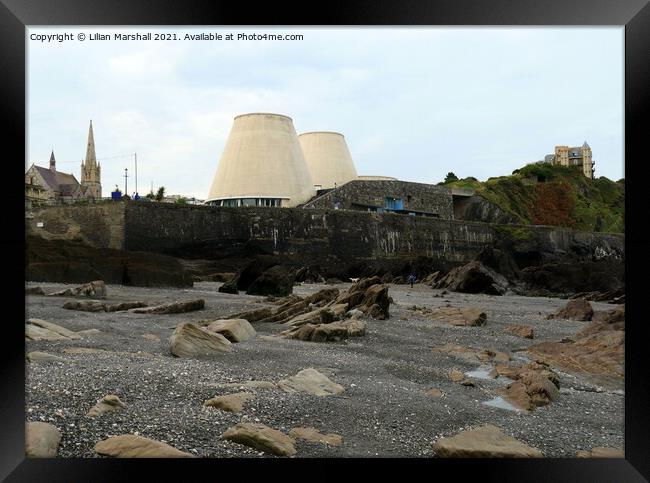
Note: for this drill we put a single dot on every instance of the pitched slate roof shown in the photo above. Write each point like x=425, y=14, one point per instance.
x=63, y=182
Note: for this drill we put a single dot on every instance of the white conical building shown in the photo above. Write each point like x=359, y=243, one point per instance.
x=328, y=158
x=262, y=165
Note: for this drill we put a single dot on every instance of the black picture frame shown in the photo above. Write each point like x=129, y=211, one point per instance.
x=634, y=15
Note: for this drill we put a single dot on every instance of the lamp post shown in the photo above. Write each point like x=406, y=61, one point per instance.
x=126, y=175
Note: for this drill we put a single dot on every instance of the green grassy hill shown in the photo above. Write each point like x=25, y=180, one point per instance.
x=543, y=194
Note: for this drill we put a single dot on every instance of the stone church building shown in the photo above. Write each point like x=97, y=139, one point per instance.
x=49, y=186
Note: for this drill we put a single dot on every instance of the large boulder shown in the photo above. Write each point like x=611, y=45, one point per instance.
x=474, y=277
x=485, y=442
x=134, y=446
x=577, y=309
x=311, y=381
x=251, y=271
x=525, y=331
x=235, y=330
x=277, y=281
x=41, y=440
x=190, y=340
x=262, y=438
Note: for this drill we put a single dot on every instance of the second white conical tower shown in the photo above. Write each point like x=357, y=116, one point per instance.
x=328, y=158
x=262, y=164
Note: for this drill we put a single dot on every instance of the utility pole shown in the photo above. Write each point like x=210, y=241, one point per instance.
x=136, y=173
x=126, y=175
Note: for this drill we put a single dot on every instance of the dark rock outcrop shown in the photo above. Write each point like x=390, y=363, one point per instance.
x=560, y=278
x=277, y=281
x=230, y=286
x=474, y=277
x=308, y=275
x=75, y=262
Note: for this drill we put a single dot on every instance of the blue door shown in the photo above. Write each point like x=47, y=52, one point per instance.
x=394, y=203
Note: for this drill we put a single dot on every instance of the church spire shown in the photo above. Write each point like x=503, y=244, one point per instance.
x=91, y=160
x=52, y=161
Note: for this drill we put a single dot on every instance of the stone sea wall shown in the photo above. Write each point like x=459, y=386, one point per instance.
x=331, y=239
x=311, y=236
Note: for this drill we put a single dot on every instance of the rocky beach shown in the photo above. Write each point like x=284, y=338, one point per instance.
x=402, y=384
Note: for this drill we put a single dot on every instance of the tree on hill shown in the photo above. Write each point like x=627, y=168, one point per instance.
x=450, y=177
x=160, y=194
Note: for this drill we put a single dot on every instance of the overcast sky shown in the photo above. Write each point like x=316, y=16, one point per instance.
x=413, y=103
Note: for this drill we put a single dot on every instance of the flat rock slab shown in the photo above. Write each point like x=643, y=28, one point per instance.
x=311, y=381
x=467, y=317
x=41, y=440
x=434, y=392
x=152, y=337
x=133, y=446
x=312, y=435
x=89, y=332
x=190, y=340
x=110, y=403
x=251, y=384
x=261, y=437
x=235, y=330
x=232, y=403
x=96, y=288
x=125, y=306
x=39, y=329
x=600, y=452
x=601, y=354
x=83, y=350
x=36, y=356
x=485, y=442
x=525, y=331
x=97, y=306
x=472, y=355
x=172, y=307
x=85, y=305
